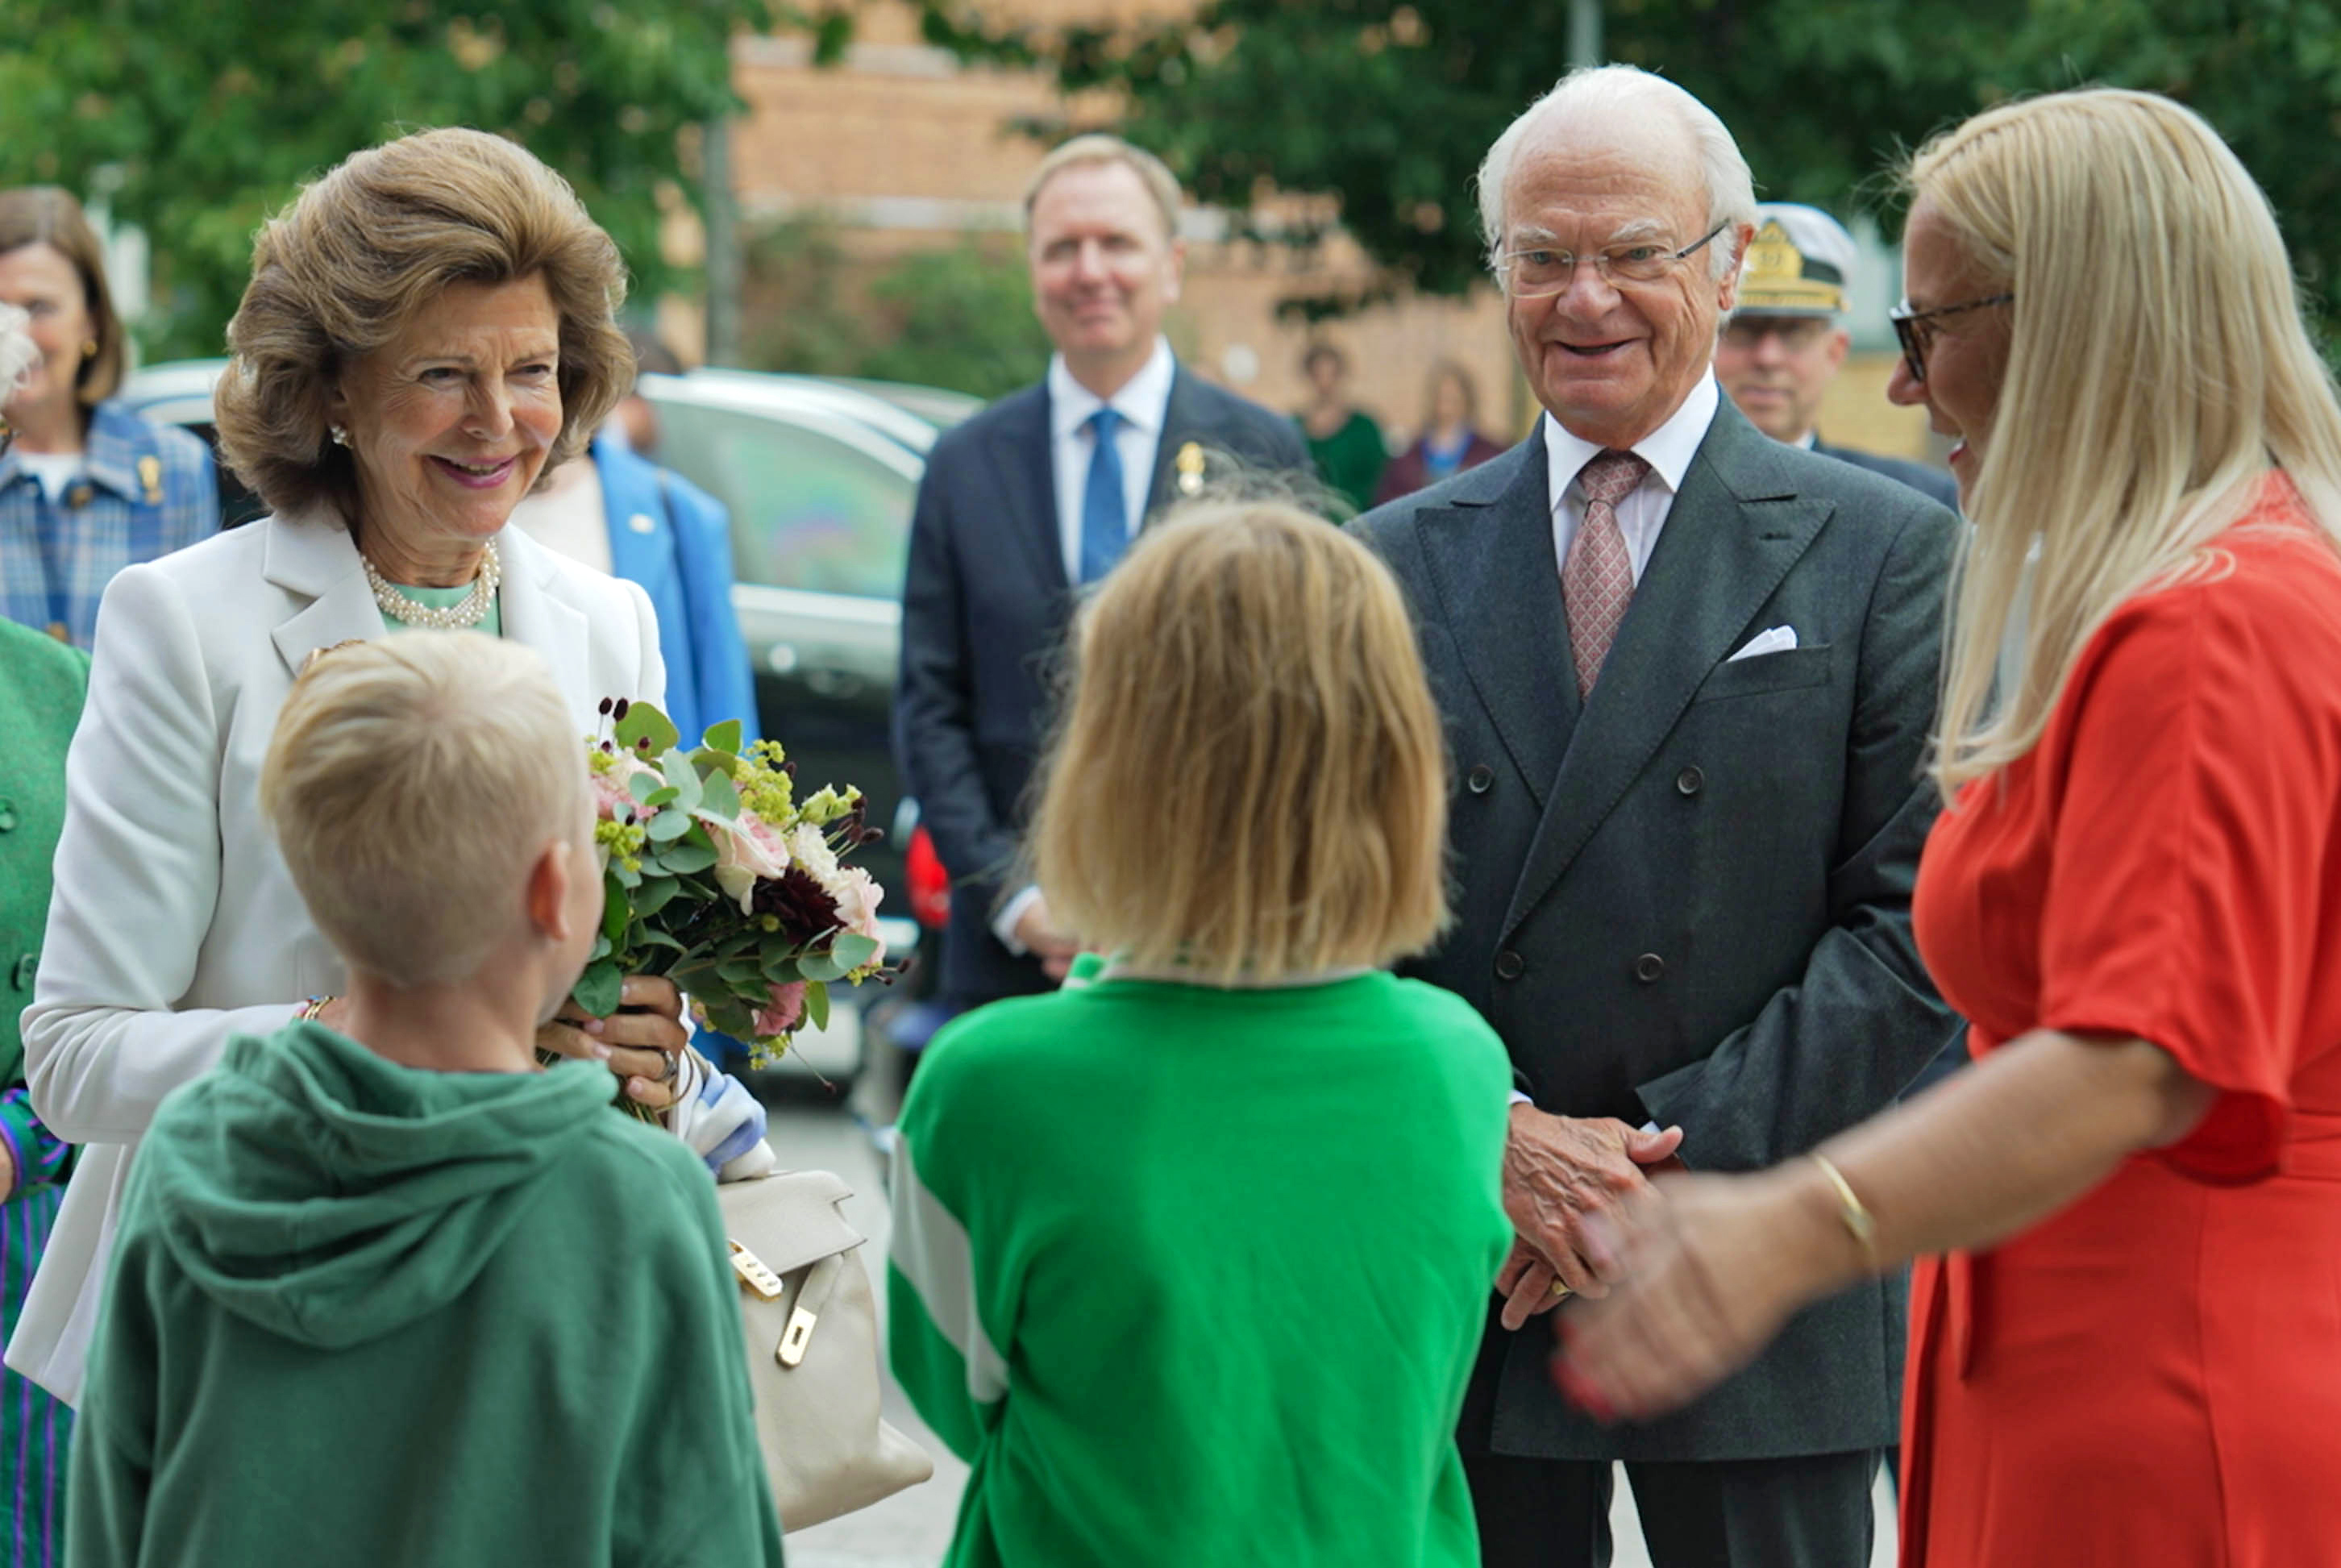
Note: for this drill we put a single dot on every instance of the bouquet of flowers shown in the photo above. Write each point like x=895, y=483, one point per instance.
x=719, y=878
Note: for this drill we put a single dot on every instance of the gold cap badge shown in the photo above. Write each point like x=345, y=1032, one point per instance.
x=1190, y=464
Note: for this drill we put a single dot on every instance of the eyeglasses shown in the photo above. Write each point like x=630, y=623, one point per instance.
x=1795, y=333
x=1537, y=272
x=1912, y=331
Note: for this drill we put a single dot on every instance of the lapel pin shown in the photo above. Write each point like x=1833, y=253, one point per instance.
x=641, y=523
x=80, y=496
x=1189, y=462
x=150, y=475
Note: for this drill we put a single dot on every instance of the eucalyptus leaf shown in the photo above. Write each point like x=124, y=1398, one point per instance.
x=669, y=825
x=600, y=947
x=816, y=1005
x=683, y=779
x=724, y=738
x=780, y=968
x=682, y=857
x=740, y=973
x=664, y=795
x=613, y=918
x=719, y=797
x=641, y=785
x=853, y=950
x=599, y=988
x=644, y=722
x=628, y=877
x=820, y=967
x=647, y=937
x=656, y=894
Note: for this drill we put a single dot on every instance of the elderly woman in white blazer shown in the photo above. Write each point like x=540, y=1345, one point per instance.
x=428, y=328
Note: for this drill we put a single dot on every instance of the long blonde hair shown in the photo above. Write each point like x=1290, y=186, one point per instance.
x=2159, y=365
x=1251, y=780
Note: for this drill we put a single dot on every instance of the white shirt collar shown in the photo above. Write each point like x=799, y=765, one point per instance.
x=1668, y=450
x=1141, y=401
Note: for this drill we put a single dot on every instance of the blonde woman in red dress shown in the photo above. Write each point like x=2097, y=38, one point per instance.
x=2126, y=1335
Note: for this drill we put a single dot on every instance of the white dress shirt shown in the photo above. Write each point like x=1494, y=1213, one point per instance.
x=1143, y=403
x=1641, y=515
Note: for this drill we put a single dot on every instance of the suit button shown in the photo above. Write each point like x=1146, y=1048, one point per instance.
x=1688, y=781
x=641, y=523
x=1510, y=965
x=1481, y=779
x=25, y=966
x=1649, y=967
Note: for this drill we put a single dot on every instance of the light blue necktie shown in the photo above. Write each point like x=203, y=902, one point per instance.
x=1105, y=512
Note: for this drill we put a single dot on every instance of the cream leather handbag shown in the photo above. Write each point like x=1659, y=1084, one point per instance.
x=812, y=1349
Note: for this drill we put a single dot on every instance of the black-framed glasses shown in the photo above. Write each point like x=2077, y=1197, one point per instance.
x=1536, y=272
x=1913, y=331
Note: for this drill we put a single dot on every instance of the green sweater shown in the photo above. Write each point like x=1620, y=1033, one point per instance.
x=362, y=1313
x=1196, y=1277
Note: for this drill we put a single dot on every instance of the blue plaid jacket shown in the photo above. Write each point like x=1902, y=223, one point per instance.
x=145, y=491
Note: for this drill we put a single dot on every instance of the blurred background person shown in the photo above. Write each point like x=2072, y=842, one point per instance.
x=621, y=512
x=1786, y=340
x=1188, y=1261
x=90, y=487
x=2129, y=1350
x=1450, y=441
x=1026, y=503
x=427, y=326
x=277, y=1382
x=41, y=684
x=1344, y=442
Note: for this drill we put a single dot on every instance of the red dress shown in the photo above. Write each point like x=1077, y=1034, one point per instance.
x=2153, y=1376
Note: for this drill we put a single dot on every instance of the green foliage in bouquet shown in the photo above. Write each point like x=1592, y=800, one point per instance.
x=719, y=878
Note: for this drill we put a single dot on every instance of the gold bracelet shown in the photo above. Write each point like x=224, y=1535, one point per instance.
x=1849, y=1208
x=313, y=1009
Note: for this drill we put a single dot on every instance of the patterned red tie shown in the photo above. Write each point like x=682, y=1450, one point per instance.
x=1597, y=581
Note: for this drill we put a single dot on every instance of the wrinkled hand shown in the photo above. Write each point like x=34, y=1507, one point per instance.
x=1558, y=1171
x=634, y=1041
x=1054, y=949
x=1710, y=1268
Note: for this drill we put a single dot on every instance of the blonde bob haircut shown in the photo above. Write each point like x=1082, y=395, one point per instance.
x=1249, y=779
x=413, y=782
x=365, y=248
x=2158, y=368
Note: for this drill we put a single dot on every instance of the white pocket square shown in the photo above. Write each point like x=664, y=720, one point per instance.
x=1779, y=640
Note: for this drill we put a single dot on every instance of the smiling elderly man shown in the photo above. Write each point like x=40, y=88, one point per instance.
x=1688, y=674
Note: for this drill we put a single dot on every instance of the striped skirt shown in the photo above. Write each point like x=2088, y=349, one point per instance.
x=34, y=1428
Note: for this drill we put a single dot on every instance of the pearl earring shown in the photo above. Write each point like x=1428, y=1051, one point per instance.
x=341, y=437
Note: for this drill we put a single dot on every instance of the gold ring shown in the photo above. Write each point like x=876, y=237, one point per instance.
x=1559, y=1290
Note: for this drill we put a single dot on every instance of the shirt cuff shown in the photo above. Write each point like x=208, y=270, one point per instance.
x=1003, y=925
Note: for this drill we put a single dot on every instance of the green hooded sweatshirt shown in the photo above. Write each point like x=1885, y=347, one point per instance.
x=363, y=1314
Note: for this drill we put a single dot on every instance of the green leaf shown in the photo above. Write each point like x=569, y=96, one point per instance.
x=600, y=948
x=816, y=1005
x=664, y=795
x=655, y=894
x=599, y=988
x=724, y=738
x=670, y=824
x=853, y=950
x=729, y=1013
x=644, y=722
x=742, y=972
x=628, y=878
x=645, y=936
x=683, y=779
x=613, y=917
x=780, y=966
x=641, y=786
x=681, y=857
x=718, y=798
x=820, y=967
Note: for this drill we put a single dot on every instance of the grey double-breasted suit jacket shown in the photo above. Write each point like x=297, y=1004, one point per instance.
x=1688, y=899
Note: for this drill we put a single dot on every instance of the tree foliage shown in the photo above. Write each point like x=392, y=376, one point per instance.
x=960, y=317
x=195, y=122
x=1389, y=107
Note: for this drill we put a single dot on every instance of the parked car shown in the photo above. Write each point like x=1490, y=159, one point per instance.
x=820, y=476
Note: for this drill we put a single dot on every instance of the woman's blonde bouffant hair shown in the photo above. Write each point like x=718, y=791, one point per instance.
x=361, y=249
x=2159, y=365
x=1249, y=780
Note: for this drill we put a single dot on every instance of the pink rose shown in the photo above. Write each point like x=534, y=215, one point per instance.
x=784, y=1008
x=857, y=905
x=745, y=854
x=611, y=797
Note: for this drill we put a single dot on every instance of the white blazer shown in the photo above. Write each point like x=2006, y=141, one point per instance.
x=174, y=923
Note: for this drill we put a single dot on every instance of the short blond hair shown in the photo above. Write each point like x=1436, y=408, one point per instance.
x=365, y=248
x=412, y=783
x=1250, y=781
x=1097, y=147
x=2143, y=398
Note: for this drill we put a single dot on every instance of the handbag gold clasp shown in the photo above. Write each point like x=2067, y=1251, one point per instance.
x=799, y=1335
x=754, y=1275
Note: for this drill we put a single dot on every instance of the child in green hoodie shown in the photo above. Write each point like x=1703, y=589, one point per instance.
x=397, y=1295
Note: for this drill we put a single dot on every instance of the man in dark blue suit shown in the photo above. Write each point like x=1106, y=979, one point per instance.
x=1786, y=339
x=1024, y=505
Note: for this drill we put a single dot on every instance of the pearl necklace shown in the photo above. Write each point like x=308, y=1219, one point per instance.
x=413, y=612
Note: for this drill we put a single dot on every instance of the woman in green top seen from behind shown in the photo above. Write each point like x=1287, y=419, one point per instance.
x=1191, y=1264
